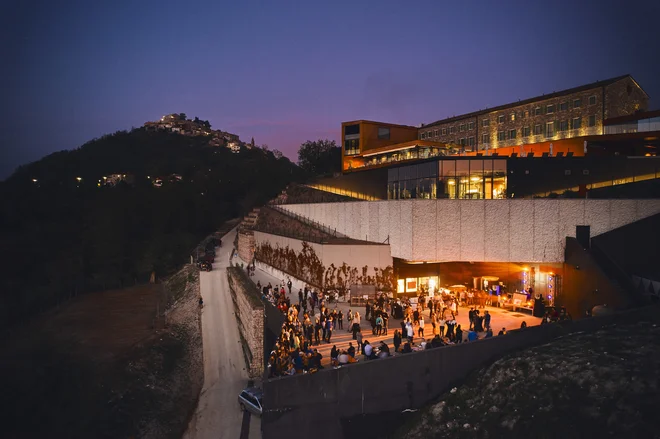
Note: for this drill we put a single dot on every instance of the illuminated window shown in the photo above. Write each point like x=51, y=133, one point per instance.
x=485, y=138
x=549, y=129
x=576, y=123
x=537, y=111
x=592, y=120
x=485, y=122
x=577, y=103
x=471, y=126
x=563, y=106
x=538, y=130
x=513, y=117
x=550, y=109
x=501, y=136
x=525, y=131
x=500, y=118
x=592, y=100
x=525, y=114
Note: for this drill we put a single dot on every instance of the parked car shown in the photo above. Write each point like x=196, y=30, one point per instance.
x=205, y=266
x=251, y=399
x=207, y=258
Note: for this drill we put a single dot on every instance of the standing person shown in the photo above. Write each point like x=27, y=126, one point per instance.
x=379, y=325
x=300, y=295
x=340, y=320
x=290, y=284
x=487, y=319
x=386, y=319
x=454, y=308
x=367, y=310
x=311, y=304
x=329, y=325
x=358, y=338
x=420, y=331
x=350, y=320
x=410, y=331
x=356, y=325
x=317, y=331
x=397, y=340
x=459, y=334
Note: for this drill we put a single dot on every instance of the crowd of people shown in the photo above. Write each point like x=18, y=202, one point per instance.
x=310, y=323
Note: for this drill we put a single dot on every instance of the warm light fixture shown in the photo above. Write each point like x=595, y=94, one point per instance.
x=34, y=180
x=79, y=178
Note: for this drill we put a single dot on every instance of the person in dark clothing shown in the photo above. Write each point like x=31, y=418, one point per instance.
x=300, y=294
x=459, y=334
x=340, y=320
x=367, y=311
x=328, y=323
x=407, y=348
x=351, y=350
x=397, y=340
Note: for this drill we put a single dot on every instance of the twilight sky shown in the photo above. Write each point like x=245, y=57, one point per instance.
x=287, y=71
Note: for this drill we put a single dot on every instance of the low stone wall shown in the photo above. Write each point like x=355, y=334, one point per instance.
x=250, y=317
x=298, y=405
x=246, y=245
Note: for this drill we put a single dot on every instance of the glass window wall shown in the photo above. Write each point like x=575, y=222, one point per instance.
x=454, y=179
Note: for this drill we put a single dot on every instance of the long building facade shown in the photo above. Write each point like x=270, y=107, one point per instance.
x=575, y=112
x=597, y=115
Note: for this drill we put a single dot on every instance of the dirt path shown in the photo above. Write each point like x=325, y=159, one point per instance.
x=218, y=414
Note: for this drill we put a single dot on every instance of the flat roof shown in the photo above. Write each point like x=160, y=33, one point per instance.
x=404, y=145
x=379, y=123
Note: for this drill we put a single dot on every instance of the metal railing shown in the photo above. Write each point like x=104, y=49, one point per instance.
x=309, y=222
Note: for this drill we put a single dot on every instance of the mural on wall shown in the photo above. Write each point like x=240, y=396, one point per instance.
x=307, y=266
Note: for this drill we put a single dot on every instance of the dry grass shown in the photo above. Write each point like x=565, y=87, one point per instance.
x=603, y=384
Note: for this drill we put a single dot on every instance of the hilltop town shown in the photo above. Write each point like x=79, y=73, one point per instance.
x=179, y=123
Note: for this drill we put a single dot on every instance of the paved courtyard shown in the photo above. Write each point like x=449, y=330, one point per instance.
x=500, y=318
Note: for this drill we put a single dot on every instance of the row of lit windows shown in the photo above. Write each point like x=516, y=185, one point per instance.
x=537, y=111
x=549, y=129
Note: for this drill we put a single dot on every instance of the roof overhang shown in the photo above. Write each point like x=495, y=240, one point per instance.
x=405, y=145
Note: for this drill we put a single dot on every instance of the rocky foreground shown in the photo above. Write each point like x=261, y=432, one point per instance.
x=603, y=384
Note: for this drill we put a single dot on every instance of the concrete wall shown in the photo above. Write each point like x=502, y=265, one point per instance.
x=356, y=255
x=250, y=318
x=298, y=405
x=509, y=230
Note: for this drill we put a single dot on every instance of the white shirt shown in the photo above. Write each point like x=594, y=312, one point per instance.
x=368, y=350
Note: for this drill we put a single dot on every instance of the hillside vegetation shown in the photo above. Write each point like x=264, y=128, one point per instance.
x=63, y=232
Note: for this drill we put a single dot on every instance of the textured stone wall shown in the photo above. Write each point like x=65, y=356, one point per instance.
x=623, y=98
x=510, y=230
x=618, y=103
x=250, y=318
x=246, y=245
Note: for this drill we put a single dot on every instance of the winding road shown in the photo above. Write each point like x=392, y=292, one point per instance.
x=218, y=414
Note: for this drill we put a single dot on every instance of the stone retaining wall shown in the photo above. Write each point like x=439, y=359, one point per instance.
x=250, y=317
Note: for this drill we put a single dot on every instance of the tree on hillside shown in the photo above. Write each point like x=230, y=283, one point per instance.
x=182, y=116
x=278, y=154
x=320, y=157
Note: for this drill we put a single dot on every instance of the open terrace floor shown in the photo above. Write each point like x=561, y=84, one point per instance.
x=500, y=318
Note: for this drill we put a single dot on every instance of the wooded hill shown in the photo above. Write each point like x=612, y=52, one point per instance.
x=64, y=231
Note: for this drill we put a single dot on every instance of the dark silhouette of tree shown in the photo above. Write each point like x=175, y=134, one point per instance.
x=182, y=116
x=319, y=157
x=63, y=236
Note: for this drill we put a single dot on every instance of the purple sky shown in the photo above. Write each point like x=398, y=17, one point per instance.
x=285, y=72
